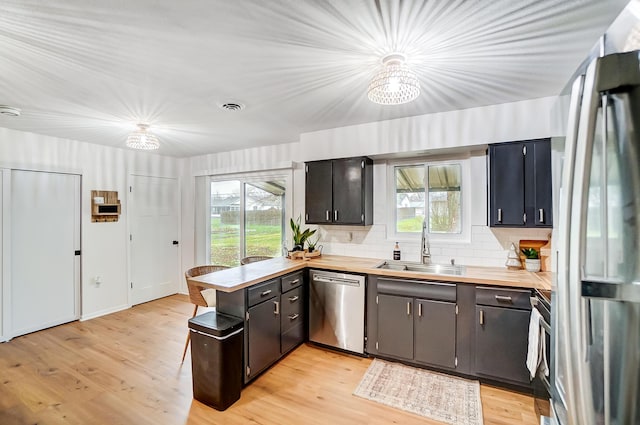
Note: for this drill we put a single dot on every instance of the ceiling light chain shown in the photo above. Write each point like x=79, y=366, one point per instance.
x=395, y=83
x=143, y=139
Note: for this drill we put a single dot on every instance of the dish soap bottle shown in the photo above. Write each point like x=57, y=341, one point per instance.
x=396, y=252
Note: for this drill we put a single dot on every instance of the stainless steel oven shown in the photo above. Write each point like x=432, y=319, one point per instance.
x=541, y=301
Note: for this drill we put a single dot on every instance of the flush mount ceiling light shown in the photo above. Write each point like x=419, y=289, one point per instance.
x=9, y=111
x=143, y=139
x=395, y=83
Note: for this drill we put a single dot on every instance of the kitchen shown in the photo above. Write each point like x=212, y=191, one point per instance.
x=457, y=132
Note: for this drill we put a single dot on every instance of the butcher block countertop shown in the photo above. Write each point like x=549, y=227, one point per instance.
x=235, y=278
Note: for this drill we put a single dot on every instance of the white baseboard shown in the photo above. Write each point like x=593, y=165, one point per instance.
x=103, y=312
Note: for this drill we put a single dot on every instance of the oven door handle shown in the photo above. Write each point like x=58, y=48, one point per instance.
x=546, y=326
x=545, y=381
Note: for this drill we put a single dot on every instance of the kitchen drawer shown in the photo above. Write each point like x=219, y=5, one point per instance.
x=291, y=338
x=504, y=297
x=292, y=308
x=416, y=288
x=262, y=292
x=292, y=281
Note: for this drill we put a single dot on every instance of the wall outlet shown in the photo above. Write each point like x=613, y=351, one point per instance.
x=97, y=280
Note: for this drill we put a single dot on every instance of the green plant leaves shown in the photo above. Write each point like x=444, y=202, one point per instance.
x=299, y=237
x=530, y=253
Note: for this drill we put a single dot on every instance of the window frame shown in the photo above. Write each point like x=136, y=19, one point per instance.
x=464, y=161
x=248, y=178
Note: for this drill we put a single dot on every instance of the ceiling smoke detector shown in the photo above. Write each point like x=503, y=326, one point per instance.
x=231, y=106
x=9, y=111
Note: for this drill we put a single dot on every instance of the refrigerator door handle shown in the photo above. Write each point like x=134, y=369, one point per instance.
x=575, y=345
x=588, y=331
x=611, y=290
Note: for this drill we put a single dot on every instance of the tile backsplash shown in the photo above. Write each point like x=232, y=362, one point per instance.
x=488, y=246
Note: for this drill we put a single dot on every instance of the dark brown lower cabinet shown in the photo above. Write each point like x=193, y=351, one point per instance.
x=501, y=343
x=292, y=318
x=474, y=330
x=274, y=319
x=416, y=329
x=395, y=326
x=263, y=336
x=435, y=333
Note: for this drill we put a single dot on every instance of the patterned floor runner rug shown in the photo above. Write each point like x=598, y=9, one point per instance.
x=437, y=396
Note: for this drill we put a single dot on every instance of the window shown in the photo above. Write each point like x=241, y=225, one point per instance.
x=247, y=218
x=429, y=192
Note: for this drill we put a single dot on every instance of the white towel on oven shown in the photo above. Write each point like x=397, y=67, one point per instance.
x=534, y=353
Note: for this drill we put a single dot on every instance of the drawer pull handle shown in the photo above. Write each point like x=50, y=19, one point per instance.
x=541, y=215
x=504, y=299
x=293, y=282
x=420, y=310
x=335, y=215
x=481, y=317
x=293, y=299
x=326, y=215
x=276, y=308
x=409, y=309
x=499, y=215
x=265, y=293
x=294, y=316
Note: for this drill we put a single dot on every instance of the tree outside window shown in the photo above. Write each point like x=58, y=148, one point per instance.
x=443, y=186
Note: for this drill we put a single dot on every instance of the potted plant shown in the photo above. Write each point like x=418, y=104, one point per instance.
x=299, y=236
x=311, y=244
x=532, y=259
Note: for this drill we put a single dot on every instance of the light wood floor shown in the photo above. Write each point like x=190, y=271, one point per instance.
x=125, y=369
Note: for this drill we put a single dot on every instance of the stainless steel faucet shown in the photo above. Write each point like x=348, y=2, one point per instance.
x=425, y=249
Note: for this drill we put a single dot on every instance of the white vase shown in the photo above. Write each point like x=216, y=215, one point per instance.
x=532, y=265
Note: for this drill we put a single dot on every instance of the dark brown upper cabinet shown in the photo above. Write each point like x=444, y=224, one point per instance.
x=339, y=191
x=520, y=184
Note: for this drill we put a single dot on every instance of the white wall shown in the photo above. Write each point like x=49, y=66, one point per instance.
x=423, y=135
x=104, y=245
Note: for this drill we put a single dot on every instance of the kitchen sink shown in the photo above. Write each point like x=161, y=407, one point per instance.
x=423, y=268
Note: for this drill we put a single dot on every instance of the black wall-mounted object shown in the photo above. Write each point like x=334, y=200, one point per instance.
x=339, y=191
x=520, y=192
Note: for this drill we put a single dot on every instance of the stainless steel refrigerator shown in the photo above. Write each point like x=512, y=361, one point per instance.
x=596, y=298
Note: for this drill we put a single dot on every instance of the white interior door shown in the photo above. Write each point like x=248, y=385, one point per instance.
x=45, y=238
x=154, y=250
x=3, y=270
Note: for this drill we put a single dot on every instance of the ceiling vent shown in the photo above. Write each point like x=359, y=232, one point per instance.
x=9, y=111
x=232, y=106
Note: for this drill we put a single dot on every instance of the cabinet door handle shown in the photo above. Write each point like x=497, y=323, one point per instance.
x=409, y=308
x=504, y=299
x=293, y=299
x=419, y=309
x=499, y=215
x=293, y=282
x=276, y=308
x=293, y=316
x=265, y=293
x=326, y=214
x=335, y=215
x=481, y=317
x=541, y=215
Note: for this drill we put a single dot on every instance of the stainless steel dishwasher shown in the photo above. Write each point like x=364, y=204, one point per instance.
x=336, y=310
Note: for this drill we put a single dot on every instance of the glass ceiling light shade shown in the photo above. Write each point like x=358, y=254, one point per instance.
x=395, y=83
x=143, y=139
